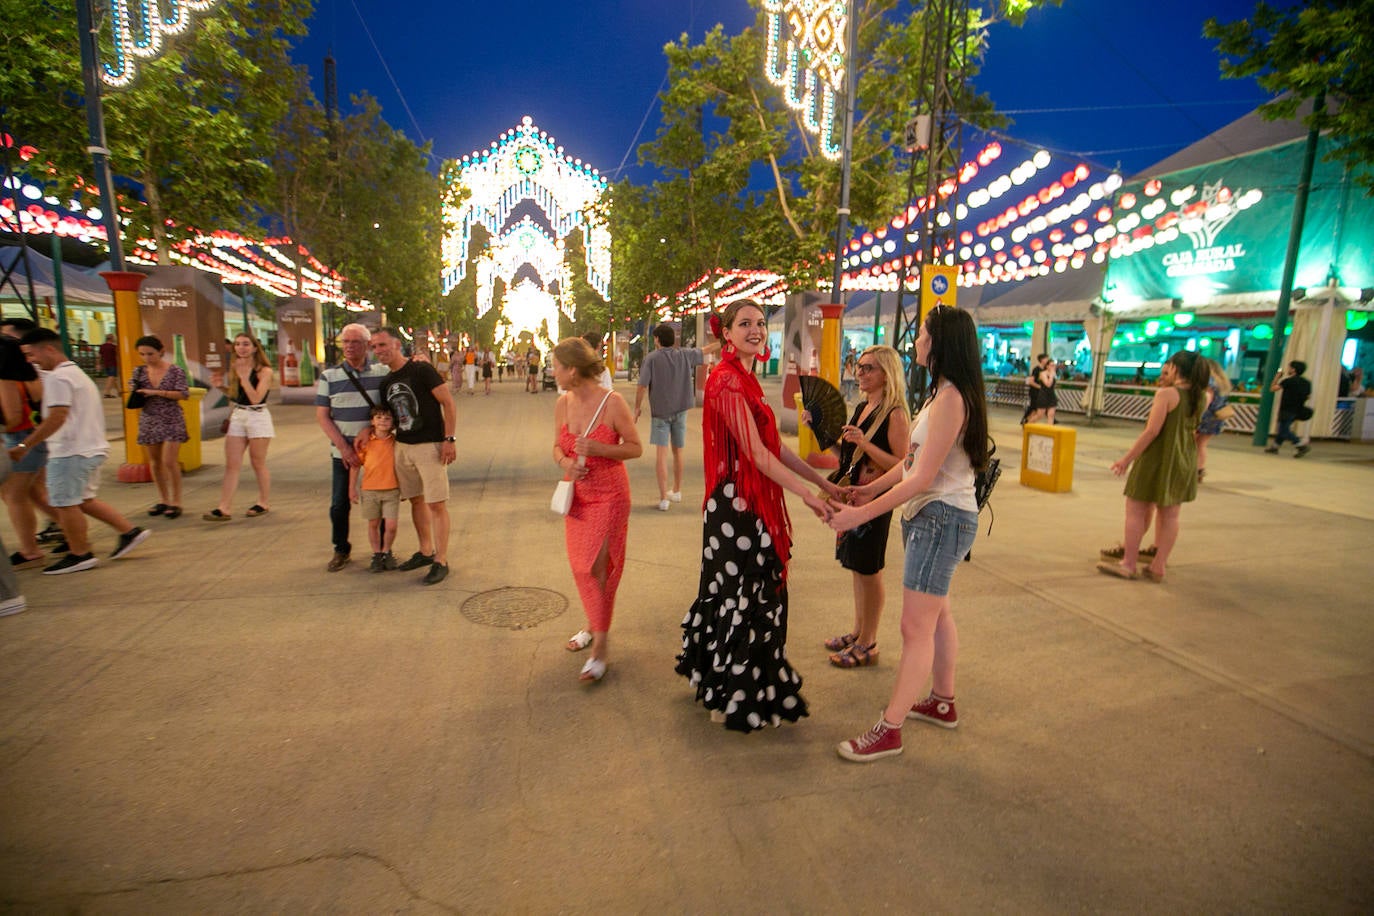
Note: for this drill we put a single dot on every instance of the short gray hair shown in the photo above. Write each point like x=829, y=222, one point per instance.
x=367, y=335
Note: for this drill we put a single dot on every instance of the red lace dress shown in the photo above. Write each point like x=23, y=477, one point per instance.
x=734, y=635
x=600, y=516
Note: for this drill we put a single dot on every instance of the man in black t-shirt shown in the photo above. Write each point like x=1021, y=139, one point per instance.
x=1295, y=390
x=425, y=421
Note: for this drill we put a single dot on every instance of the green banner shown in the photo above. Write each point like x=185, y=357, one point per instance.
x=1222, y=229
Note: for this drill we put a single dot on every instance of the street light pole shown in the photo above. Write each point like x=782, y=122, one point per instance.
x=851, y=80
x=95, y=130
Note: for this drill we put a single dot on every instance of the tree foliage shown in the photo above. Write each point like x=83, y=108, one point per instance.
x=745, y=185
x=1301, y=53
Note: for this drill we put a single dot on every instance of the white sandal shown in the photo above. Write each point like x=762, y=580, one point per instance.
x=594, y=670
x=580, y=640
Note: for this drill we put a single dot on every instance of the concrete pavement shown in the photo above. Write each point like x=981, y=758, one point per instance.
x=216, y=724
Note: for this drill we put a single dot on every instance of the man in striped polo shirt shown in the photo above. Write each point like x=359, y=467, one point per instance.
x=342, y=411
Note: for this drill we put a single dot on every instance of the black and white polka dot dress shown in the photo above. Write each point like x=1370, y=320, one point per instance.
x=734, y=635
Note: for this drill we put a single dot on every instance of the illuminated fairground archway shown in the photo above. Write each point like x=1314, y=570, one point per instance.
x=530, y=197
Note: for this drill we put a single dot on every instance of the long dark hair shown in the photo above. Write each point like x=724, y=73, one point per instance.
x=955, y=358
x=1194, y=370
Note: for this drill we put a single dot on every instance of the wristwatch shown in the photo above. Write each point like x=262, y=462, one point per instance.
x=450, y=439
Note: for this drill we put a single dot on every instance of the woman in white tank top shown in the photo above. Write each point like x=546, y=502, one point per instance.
x=934, y=485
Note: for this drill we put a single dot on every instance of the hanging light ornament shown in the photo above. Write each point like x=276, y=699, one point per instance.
x=137, y=30
x=805, y=58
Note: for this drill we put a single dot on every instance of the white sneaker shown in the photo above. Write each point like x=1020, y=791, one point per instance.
x=663, y=505
x=675, y=496
x=12, y=605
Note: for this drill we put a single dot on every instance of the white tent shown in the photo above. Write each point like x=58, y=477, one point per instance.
x=78, y=286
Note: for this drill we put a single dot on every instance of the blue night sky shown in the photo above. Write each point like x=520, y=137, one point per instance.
x=1121, y=83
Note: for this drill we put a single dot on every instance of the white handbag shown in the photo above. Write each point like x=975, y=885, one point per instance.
x=563, y=493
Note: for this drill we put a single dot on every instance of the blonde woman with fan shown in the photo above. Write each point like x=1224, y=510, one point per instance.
x=872, y=442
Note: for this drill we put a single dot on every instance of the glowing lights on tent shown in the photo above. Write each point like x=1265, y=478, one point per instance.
x=805, y=58
x=525, y=169
x=1158, y=218
x=137, y=32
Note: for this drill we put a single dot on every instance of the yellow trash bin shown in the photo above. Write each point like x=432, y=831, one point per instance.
x=1047, y=456
x=190, y=449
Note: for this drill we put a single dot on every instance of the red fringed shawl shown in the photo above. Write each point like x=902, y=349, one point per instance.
x=734, y=415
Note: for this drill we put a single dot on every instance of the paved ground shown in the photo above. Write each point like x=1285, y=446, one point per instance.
x=215, y=724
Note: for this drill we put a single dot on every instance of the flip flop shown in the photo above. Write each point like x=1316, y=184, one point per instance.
x=594, y=670
x=214, y=515
x=172, y=512
x=1115, y=569
x=580, y=640
x=255, y=510
x=1150, y=575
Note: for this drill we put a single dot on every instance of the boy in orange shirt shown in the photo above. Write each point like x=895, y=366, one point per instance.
x=376, y=489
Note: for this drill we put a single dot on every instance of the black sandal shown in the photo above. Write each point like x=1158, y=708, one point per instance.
x=159, y=509
x=255, y=510
x=172, y=512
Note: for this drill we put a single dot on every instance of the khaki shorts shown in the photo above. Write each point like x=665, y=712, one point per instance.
x=380, y=504
x=419, y=470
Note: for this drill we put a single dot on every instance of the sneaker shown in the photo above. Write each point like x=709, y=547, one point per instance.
x=935, y=711
x=338, y=562
x=72, y=563
x=663, y=505
x=389, y=561
x=12, y=605
x=51, y=533
x=378, y=563
x=1271, y=450
x=129, y=540
x=882, y=740
x=438, y=572
x=674, y=496
x=61, y=546
x=417, y=561
x=19, y=561
x=1302, y=450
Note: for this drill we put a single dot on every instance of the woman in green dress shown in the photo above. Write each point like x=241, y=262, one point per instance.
x=1163, y=466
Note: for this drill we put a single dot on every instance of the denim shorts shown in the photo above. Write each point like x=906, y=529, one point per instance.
x=34, y=458
x=666, y=430
x=74, y=479
x=936, y=540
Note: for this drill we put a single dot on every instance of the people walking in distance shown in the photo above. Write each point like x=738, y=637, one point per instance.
x=161, y=422
x=1210, y=425
x=73, y=425
x=375, y=487
x=426, y=419
x=1163, y=468
x=934, y=483
x=250, y=427
x=25, y=490
x=1033, y=410
x=109, y=367
x=668, y=377
x=488, y=365
x=594, y=435
x=1294, y=390
x=734, y=639
x=532, y=370
x=871, y=444
x=344, y=397
x=470, y=370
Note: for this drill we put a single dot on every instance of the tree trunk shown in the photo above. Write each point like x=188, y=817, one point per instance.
x=777, y=174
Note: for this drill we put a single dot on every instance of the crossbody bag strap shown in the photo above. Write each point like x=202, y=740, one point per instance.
x=582, y=459
x=359, y=385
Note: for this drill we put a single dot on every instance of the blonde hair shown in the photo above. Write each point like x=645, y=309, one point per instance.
x=578, y=355
x=1218, y=376
x=260, y=361
x=894, y=378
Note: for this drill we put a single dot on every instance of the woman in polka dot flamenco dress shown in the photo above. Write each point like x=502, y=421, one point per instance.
x=734, y=636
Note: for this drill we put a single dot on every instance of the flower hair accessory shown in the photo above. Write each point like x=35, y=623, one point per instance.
x=716, y=329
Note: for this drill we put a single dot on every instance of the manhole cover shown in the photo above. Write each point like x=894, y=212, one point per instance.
x=514, y=608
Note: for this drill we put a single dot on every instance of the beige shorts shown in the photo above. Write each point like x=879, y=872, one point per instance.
x=380, y=504
x=250, y=422
x=419, y=470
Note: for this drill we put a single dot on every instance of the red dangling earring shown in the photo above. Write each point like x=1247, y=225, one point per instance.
x=766, y=353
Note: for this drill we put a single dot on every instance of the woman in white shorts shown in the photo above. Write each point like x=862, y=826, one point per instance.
x=250, y=427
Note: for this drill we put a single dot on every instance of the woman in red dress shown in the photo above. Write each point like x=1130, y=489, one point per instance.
x=594, y=434
x=735, y=634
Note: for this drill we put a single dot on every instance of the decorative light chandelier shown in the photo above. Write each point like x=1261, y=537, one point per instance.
x=137, y=28
x=805, y=58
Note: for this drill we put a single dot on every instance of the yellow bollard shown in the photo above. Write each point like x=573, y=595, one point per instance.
x=1047, y=456
x=806, y=439
x=190, y=455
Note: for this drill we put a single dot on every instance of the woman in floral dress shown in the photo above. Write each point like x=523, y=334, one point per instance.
x=161, y=423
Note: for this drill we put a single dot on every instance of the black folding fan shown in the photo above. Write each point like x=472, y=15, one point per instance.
x=827, y=408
